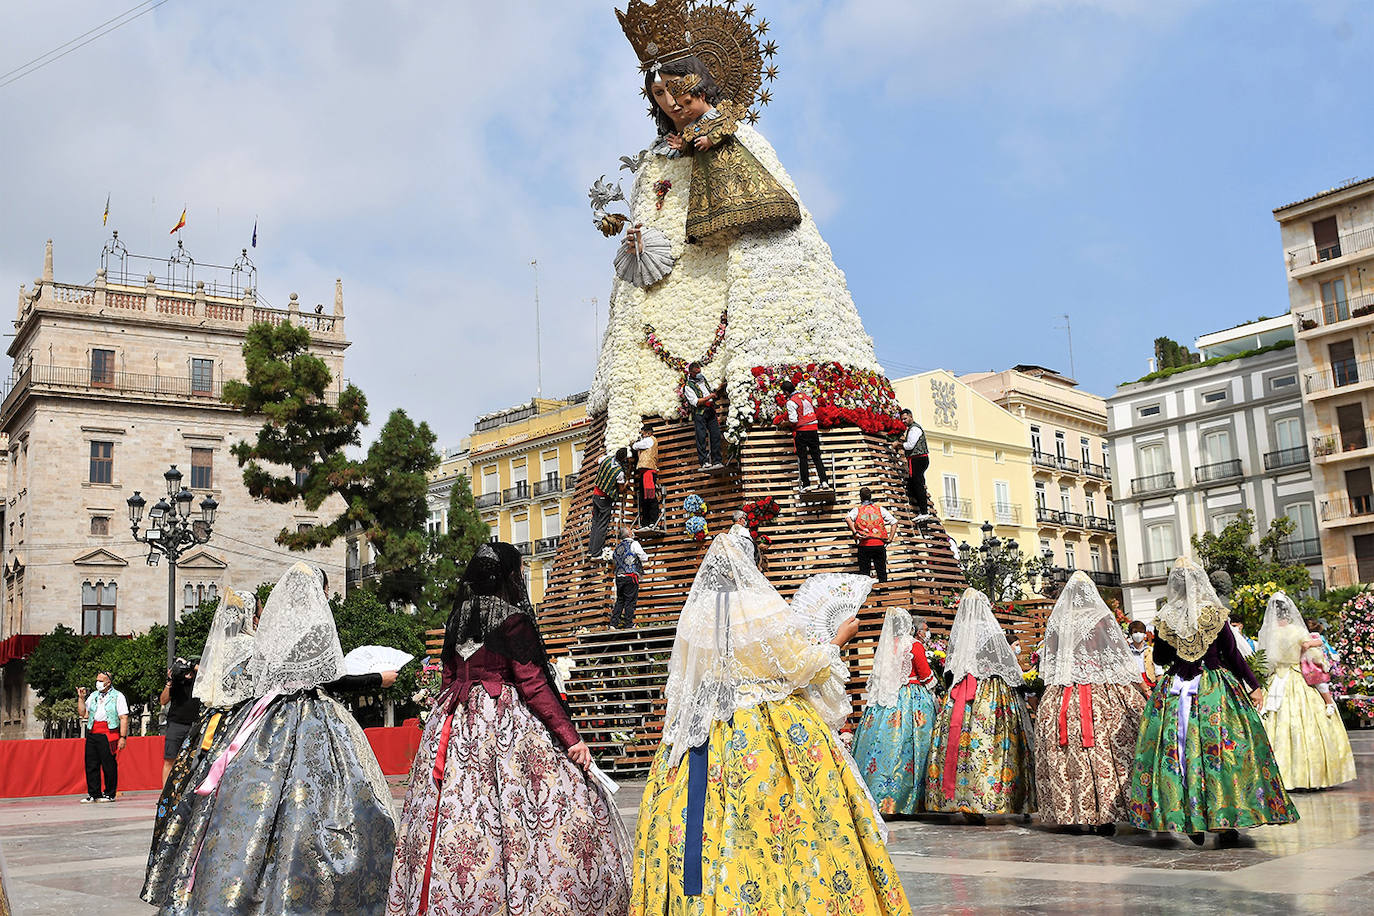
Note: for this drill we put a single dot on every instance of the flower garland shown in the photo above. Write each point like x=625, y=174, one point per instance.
x=677, y=363
x=1353, y=643
x=843, y=397
x=661, y=189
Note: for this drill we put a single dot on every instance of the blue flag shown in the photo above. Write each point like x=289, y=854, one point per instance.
x=255, y=233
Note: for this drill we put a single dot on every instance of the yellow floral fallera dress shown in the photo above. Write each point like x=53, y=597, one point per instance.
x=1311, y=748
x=788, y=829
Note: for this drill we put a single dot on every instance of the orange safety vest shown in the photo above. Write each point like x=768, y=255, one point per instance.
x=869, y=524
x=806, y=413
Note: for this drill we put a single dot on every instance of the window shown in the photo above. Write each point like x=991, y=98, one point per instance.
x=1085, y=450
x=1334, y=305
x=1065, y=499
x=202, y=376
x=1159, y=541
x=1149, y=410
x=98, y=608
x=1095, y=558
x=303, y=527
x=1002, y=496
x=1046, y=550
x=1350, y=423
x=519, y=474
x=578, y=454
x=102, y=462
x=202, y=468
x=550, y=465
x=302, y=478
x=1090, y=504
x=1283, y=381
x=520, y=530
x=1214, y=397
x=1344, y=370
x=1068, y=556
x=1041, y=500
x=1288, y=433
x=553, y=523
x=1216, y=446
x=100, y=525
x=1222, y=519
x=1106, y=463
x=102, y=367
x=1035, y=439
x=951, y=484
x=489, y=484
x=947, y=449
x=999, y=457
x=194, y=594
x=1326, y=238
x=435, y=525
x=1304, y=520
x=1060, y=449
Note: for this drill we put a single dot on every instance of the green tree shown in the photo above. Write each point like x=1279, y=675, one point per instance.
x=49, y=668
x=1249, y=562
x=450, y=553
x=392, y=498
x=299, y=451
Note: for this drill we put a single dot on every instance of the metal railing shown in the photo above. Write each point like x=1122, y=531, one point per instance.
x=516, y=493
x=1049, y=516
x=358, y=574
x=548, y=544
x=957, y=508
x=1340, y=575
x=548, y=485
x=487, y=500
x=1064, y=463
x=1154, y=569
x=1329, y=313
x=105, y=381
x=1044, y=514
x=1099, y=523
x=1044, y=459
x=570, y=482
x=1006, y=513
x=1346, y=243
x=1285, y=458
x=1296, y=550
x=1218, y=470
x=1338, y=508
x=1104, y=578
x=1342, y=373
x=525, y=548
x=1153, y=483
x=1348, y=439
x=1100, y=471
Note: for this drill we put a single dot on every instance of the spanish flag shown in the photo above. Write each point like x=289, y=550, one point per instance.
x=181, y=222
x=104, y=219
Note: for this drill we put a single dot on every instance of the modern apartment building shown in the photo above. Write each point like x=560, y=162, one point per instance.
x=113, y=381
x=980, y=459
x=1067, y=429
x=1193, y=447
x=1328, y=246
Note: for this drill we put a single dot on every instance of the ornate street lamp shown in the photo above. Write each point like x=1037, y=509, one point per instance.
x=171, y=532
x=996, y=567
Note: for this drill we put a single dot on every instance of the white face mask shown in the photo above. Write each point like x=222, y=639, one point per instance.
x=1137, y=638
x=100, y=686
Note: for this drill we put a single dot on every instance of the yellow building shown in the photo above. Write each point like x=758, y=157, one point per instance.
x=522, y=466
x=980, y=459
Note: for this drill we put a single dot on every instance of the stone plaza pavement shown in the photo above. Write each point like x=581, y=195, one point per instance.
x=63, y=858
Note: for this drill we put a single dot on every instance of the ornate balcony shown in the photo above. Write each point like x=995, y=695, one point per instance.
x=548, y=544
x=1285, y=458
x=525, y=548
x=961, y=509
x=1100, y=471
x=1217, y=471
x=1006, y=513
x=1104, y=578
x=548, y=486
x=1044, y=460
x=1347, y=508
x=1153, y=483
x=487, y=500
x=1155, y=569
x=1098, y=523
x=518, y=493
x=570, y=482
x=1300, y=550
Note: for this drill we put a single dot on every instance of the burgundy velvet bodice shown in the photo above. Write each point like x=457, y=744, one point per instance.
x=1223, y=653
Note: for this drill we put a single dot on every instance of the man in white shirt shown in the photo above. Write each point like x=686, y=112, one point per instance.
x=701, y=403
x=107, y=730
x=645, y=449
x=917, y=455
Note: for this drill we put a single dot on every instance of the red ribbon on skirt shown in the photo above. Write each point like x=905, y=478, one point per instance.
x=962, y=695
x=1085, y=715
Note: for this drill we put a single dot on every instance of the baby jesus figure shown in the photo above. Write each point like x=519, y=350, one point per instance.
x=730, y=188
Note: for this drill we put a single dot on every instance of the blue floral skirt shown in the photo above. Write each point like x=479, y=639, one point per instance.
x=891, y=746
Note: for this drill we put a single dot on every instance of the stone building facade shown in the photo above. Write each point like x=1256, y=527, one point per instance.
x=112, y=382
x=1072, y=480
x=1328, y=247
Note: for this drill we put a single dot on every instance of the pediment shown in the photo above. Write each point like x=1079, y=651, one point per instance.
x=203, y=560
x=100, y=557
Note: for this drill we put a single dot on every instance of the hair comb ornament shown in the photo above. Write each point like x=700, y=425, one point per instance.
x=729, y=41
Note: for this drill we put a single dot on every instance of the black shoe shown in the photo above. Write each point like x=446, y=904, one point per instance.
x=977, y=820
x=1198, y=838
x=1228, y=837
x=1105, y=830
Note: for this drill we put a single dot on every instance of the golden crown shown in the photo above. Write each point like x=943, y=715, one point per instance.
x=726, y=39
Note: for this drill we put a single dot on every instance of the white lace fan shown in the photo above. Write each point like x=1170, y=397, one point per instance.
x=825, y=601
x=648, y=263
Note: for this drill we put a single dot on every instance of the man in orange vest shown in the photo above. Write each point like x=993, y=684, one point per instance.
x=872, y=526
x=806, y=433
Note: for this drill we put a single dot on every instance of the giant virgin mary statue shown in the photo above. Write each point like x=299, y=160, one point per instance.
x=728, y=268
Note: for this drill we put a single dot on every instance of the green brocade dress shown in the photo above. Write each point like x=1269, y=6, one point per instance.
x=730, y=188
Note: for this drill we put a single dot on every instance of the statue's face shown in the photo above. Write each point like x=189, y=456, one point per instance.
x=694, y=105
x=669, y=105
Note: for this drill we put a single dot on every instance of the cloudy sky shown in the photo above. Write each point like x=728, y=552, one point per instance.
x=979, y=168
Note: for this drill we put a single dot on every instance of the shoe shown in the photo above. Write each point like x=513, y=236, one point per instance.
x=105, y=798
x=88, y=799
x=1198, y=838
x=1228, y=837
x=1105, y=830
x=704, y=468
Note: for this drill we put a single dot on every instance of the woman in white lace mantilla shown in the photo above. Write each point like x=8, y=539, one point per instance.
x=1089, y=717
x=775, y=815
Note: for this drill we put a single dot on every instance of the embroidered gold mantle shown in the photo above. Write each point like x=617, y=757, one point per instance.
x=730, y=188
x=1210, y=620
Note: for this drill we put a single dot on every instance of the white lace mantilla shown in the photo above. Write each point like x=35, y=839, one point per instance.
x=977, y=645
x=1084, y=644
x=297, y=645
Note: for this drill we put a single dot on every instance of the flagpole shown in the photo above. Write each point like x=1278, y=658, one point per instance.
x=538, y=356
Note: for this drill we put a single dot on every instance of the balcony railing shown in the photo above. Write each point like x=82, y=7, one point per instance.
x=1098, y=523
x=1044, y=515
x=1340, y=575
x=1300, y=550
x=1219, y=470
x=356, y=574
x=1047, y=516
x=570, y=482
x=1329, y=313
x=957, y=508
x=1044, y=459
x=1338, y=508
x=1285, y=458
x=1343, y=440
x=487, y=500
x=1006, y=513
x=1104, y=578
x=516, y=493
x=525, y=548
x=547, y=545
x=548, y=485
x=1067, y=464
x=1343, y=372
x=1155, y=569
x=59, y=379
x=1346, y=243
x=1100, y=471
x=1153, y=483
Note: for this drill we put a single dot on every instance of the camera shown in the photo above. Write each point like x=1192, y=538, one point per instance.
x=184, y=669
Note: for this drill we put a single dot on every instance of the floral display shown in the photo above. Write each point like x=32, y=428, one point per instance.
x=428, y=682
x=679, y=365
x=661, y=189
x=1249, y=601
x=1353, y=643
x=695, y=508
x=759, y=512
x=843, y=397
x=936, y=651
x=787, y=301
